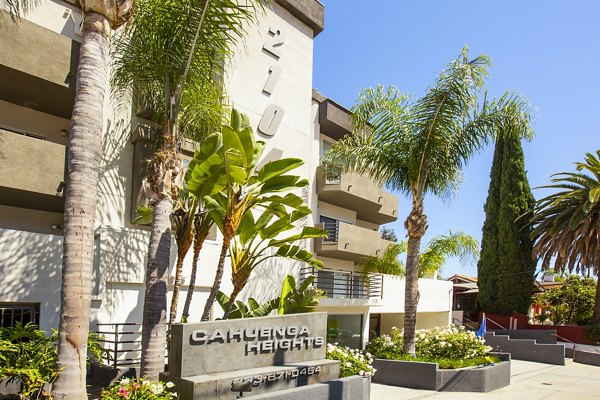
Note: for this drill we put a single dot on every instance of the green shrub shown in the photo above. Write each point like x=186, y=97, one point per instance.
x=449, y=346
x=28, y=357
x=592, y=333
x=132, y=389
x=353, y=362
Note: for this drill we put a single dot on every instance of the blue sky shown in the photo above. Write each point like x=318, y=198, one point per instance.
x=549, y=51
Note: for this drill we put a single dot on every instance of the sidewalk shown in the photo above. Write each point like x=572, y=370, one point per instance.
x=529, y=381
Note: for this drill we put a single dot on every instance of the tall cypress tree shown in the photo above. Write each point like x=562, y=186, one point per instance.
x=506, y=267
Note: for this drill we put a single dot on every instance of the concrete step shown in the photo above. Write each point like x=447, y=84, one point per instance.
x=527, y=349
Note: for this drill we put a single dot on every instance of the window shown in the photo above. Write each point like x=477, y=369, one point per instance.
x=331, y=226
x=11, y=313
x=345, y=330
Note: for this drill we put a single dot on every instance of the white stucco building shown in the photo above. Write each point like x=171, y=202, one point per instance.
x=270, y=79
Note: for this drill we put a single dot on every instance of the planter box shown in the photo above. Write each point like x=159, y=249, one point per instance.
x=423, y=375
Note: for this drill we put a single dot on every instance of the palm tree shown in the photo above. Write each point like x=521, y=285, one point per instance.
x=460, y=244
x=431, y=260
x=567, y=222
x=17, y=8
x=420, y=147
x=172, y=59
x=84, y=155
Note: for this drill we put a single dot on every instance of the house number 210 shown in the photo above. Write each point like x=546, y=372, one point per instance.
x=273, y=114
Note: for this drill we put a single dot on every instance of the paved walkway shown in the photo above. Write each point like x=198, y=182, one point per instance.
x=529, y=381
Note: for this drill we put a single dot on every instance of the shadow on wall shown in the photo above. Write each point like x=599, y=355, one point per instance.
x=30, y=268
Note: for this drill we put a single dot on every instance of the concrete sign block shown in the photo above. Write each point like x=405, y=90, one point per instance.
x=231, y=345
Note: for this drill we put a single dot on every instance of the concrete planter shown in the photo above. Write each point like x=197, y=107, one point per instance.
x=423, y=375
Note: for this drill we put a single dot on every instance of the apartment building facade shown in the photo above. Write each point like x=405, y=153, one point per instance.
x=269, y=79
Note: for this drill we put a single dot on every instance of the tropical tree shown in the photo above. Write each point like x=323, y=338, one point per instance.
x=259, y=240
x=419, y=147
x=567, y=223
x=431, y=259
x=506, y=268
x=231, y=187
x=172, y=59
x=84, y=152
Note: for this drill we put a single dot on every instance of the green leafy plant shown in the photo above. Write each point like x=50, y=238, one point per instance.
x=449, y=346
x=571, y=303
x=293, y=300
x=28, y=356
x=232, y=188
x=259, y=240
x=431, y=259
x=592, y=333
x=143, y=389
x=352, y=361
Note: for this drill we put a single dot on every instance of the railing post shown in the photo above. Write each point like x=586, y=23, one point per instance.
x=115, y=351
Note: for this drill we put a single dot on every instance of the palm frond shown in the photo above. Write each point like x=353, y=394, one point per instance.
x=567, y=222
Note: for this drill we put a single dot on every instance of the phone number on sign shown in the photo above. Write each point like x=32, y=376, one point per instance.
x=283, y=375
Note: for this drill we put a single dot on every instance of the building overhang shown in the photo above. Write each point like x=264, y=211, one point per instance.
x=310, y=12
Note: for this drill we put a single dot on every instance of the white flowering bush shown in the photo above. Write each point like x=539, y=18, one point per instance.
x=143, y=389
x=353, y=362
x=450, y=342
x=449, y=346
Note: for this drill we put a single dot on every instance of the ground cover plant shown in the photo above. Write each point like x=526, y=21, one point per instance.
x=451, y=347
x=142, y=389
x=28, y=357
x=353, y=362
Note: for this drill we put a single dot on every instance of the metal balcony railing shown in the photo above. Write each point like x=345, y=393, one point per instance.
x=332, y=229
x=346, y=284
x=123, y=341
x=333, y=176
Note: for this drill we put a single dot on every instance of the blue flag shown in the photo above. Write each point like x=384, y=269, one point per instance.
x=482, y=329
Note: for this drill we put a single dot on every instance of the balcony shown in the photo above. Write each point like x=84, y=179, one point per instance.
x=357, y=192
x=32, y=172
x=349, y=242
x=47, y=86
x=346, y=284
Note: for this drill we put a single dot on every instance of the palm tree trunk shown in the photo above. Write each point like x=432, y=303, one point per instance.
x=218, y=277
x=154, y=338
x=84, y=156
x=416, y=225
x=176, y=287
x=199, y=241
x=596, y=316
x=234, y=294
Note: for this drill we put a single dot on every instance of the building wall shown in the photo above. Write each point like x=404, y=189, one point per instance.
x=425, y=320
x=32, y=252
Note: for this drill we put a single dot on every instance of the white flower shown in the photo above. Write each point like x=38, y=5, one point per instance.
x=125, y=381
x=170, y=385
x=361, y=373
x=145, y=382
x=156, y=389
x=174, y=394
x=348, y=364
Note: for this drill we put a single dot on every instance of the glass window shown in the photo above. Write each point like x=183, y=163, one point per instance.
x=11, y=313
x=345, y=330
